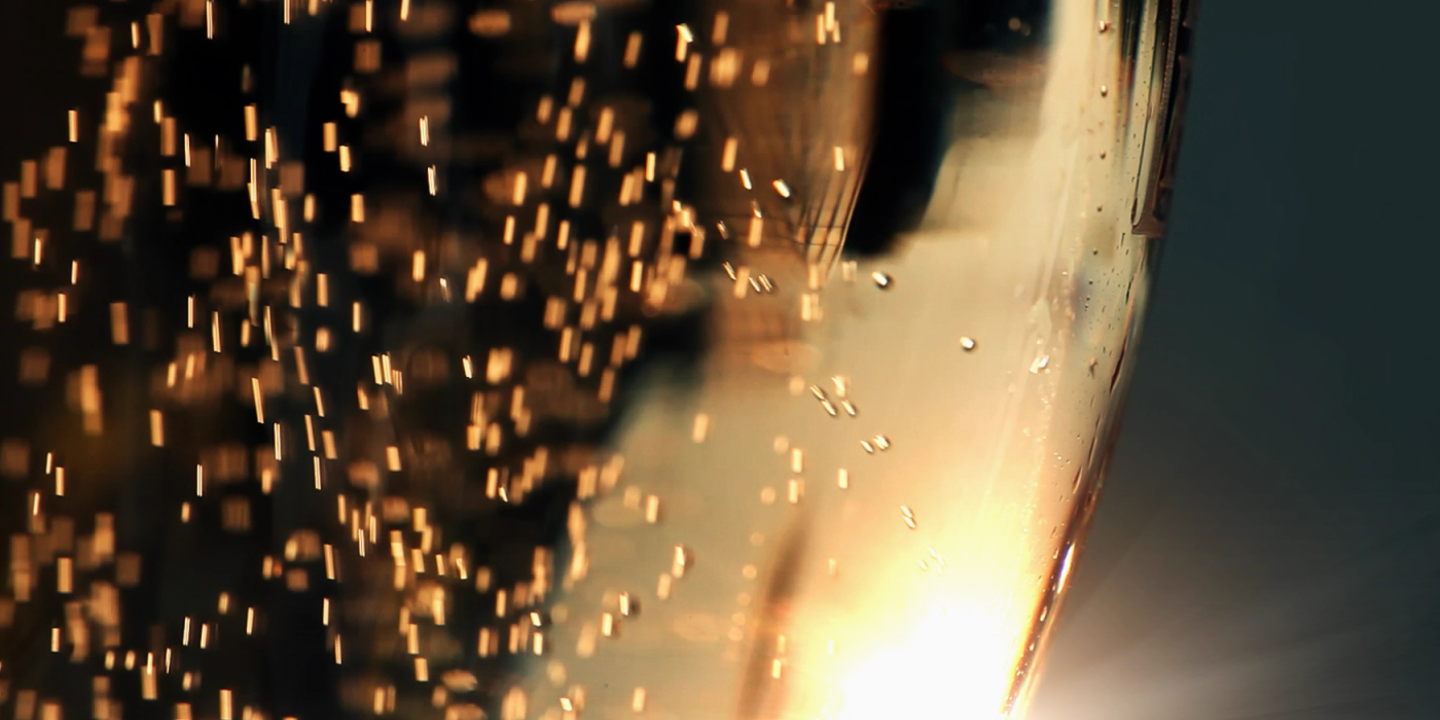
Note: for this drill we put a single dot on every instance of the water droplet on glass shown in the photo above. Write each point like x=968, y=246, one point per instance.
x=629, y=606
x=1040, y=363
x=882, y=442
x=882, y=280
x=968, y=343
x=681, y=560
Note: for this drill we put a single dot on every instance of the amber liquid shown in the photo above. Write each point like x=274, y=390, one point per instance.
x=544, y=359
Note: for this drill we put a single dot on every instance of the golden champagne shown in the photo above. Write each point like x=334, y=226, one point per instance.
x=668, y=359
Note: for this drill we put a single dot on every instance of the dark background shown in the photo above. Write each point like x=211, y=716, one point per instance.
x=1268, y=545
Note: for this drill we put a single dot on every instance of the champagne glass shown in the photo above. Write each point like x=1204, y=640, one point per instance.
x=530, y=359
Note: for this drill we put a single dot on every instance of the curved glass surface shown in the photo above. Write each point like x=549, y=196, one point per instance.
x=524, y=359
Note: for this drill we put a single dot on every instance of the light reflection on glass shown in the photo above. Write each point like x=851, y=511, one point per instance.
x=756, y=360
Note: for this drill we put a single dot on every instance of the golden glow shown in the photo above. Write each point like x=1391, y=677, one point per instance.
x=955, y=663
